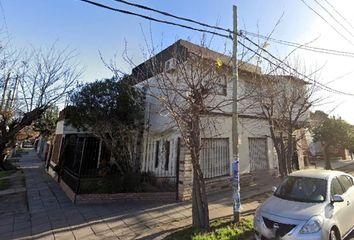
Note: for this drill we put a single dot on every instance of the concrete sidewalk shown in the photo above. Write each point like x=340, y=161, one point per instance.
x=336, y=164
x=51, y=215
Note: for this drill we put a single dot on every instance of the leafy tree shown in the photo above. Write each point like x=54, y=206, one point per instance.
x=47, y=123
x=111, y=109
x=333, y=132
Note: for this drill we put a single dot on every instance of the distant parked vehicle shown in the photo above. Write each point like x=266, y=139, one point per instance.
x=308, y=204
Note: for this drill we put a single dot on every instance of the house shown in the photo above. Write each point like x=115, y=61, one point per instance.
x=162, y=149
x=79, y=152
x=163, y=152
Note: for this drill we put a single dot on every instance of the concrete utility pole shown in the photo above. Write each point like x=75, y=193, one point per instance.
x=235, y=154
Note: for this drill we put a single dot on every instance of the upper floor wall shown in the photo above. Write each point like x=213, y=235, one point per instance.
x=179, y=73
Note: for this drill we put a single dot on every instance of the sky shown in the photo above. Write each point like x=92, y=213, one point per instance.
x=90, y=30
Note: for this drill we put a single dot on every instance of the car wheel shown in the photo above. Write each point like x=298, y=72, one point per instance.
x=333, y=235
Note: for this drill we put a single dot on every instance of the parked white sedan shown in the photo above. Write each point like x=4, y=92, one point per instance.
x=308, y=204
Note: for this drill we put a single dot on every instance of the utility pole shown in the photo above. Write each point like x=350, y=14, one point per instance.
x=235, y=154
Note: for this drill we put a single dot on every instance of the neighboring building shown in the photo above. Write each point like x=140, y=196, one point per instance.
x=43, y=148
x=79, y=151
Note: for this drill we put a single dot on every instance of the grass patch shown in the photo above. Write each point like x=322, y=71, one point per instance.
x=219, y=230
x=6, y=173
x=4, y=184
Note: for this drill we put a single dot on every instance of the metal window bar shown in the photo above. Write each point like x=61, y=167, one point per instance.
x=157, y=151
x=167, y=154
x=215, y=157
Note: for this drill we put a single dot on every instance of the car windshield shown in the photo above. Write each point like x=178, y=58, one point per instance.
x=302, y=189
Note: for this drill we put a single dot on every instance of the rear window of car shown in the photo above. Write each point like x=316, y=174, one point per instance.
x=346, y=182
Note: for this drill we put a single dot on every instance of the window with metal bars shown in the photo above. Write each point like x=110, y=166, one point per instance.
x=215, y=157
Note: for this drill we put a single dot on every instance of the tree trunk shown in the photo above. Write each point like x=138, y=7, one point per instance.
x=283, y=156
x=200, y=211
x=279, y=155
x=2, y=157
x=277, y=145
x=326, y=157
x=121, y=166
x=289, y=153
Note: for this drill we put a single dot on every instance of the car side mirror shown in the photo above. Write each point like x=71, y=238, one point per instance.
x=337, y=198
x=274, y=189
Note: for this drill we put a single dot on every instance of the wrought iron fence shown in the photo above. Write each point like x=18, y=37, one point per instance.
x=86, y=168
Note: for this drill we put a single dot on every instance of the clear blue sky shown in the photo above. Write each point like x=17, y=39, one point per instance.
x=89, y=29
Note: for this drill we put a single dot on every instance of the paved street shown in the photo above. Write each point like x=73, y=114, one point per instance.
x=51, y=215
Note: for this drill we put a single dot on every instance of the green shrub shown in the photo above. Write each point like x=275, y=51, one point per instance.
x=131, y=182
x=6, y=173
x=148, y=177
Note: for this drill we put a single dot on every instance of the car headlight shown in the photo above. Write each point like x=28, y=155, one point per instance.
x=313, y=225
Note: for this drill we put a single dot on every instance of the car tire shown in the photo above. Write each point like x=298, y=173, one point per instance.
x=334, y=235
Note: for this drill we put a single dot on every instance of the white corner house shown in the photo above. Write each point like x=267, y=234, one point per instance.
x=163, y=152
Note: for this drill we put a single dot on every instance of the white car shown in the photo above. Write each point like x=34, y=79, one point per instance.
x=308, y=204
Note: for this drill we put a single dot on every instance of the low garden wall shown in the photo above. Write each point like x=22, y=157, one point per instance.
x=110, y=197
x=141, y=196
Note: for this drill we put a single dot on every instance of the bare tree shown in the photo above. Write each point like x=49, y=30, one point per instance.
x=284, y=99
x=190, y=92
x=191, y=86
x=31, y=84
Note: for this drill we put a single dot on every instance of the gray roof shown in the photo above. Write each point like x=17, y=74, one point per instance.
x=181, y=49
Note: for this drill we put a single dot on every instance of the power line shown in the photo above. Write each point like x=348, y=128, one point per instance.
x=154, y=19
x=333, y=17
x=301, y=46
x=174, y=16
x=218, y=34
x=282, y=62
x=287, y=71
x=334, y=9
x=322, y=86
x=319, y=50
x=333, y=27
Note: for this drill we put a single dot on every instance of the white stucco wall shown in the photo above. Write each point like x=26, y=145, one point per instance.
x=159, y=125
